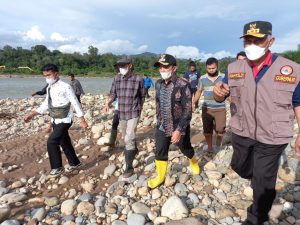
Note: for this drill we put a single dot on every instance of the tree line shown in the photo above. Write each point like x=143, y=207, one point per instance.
x=29, y=61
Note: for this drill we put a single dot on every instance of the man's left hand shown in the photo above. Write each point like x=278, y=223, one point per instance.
x=176, y=135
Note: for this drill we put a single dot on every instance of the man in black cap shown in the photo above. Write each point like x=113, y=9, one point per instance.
x=129, y=89
x=265, y=97
x=174, y=113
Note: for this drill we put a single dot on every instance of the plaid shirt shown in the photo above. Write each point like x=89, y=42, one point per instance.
x=180, y=104
x=130, y=93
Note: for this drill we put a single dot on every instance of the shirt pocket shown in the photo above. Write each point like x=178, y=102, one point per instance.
x=282, y=125
x=236, y=111
x=283, y=95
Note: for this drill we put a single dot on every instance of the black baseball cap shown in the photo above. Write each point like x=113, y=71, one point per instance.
x=257, y=29
x=124, y=60
x=166, y=60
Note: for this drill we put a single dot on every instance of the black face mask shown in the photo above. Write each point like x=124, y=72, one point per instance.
x=214, y=74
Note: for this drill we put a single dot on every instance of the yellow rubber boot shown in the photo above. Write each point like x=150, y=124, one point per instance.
x=161, y=169
x=194, y=166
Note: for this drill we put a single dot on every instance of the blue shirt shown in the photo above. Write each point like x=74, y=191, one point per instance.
x=148, y=82
x=262, y=72
x=192, y=77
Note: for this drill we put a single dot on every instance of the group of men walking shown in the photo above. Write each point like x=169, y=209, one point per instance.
x=264, y=95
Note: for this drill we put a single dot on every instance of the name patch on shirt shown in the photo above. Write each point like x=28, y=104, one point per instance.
x=237, y=75
x=285, y=79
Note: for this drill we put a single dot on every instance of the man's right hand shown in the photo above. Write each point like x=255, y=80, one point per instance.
x=105, y=109
x=221, y=90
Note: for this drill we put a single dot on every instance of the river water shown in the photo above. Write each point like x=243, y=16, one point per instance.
x=24, y=87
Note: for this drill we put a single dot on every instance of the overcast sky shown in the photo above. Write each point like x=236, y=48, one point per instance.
x=187, y=29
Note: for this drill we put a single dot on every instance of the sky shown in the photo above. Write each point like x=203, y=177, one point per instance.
x=195, y=29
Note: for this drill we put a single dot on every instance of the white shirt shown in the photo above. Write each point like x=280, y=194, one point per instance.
x=61, y=94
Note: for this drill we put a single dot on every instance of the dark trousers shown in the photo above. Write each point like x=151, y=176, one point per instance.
x=78, y=97
x=147, y=92
x=115, y=121
x=258, y=162
x=60, y=137
x=193, y=93
x=162, y=143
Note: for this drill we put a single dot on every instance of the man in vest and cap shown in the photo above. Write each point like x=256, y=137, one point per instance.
x=174, y=113
x=265, y=97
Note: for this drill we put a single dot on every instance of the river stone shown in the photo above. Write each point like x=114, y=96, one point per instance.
x=174, y=208
x=10, y=222
x=136, y=219
x=51, y=201
x=4, y=212
x=110, y=169
x=189, y=221
x=85, y=208
x=140, y=208
x=39, y=214
x=68, y=207
x=85, y=197
x=224, y=212
x=118, y=222
x=12, y=198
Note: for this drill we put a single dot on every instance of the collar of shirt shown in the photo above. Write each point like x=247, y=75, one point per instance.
x=267, y=62
x=127, y=76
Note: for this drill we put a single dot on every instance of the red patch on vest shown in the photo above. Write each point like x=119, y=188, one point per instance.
x=237, y=75
x=285, y=79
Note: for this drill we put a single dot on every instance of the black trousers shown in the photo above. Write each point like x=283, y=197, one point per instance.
x=78, y=97
x=60, y=137
x=259, y=162
x=162, y=143
x=147, y=92
x=193, y=93
x=115, y=121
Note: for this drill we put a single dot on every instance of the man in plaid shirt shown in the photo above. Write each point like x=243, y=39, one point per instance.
x=129, y=89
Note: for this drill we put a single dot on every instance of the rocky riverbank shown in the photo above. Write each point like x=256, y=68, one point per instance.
x=97, y=195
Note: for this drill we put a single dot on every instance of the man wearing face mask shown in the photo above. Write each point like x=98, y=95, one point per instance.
x=129, y=89
x=213, y=113
x=265, y=98
x=60, y=96
x=174, y=113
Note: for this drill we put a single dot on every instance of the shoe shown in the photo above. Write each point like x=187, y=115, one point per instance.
x=73, y=168
x=128, y=173
x=112, y=139
x=161, y=169
x=194, y=166
x=129, y=157
x=247, y=222
x=56, y=172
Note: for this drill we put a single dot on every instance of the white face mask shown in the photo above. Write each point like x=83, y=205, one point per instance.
x=166, y=75
x=254, y=52
x=123, y=71
x=50, y=80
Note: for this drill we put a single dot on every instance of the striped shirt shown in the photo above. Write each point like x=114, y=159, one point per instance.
x=206, y=86
x=130, y=93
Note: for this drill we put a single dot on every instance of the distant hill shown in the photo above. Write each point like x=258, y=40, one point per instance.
x=145, y=54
